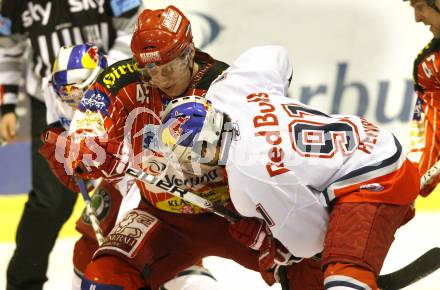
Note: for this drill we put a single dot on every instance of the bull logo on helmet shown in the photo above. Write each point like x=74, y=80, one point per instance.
x=90, y=58
x=176, y=126
x=172, y=133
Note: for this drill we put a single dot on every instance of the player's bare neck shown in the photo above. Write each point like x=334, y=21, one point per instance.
x=195, y=69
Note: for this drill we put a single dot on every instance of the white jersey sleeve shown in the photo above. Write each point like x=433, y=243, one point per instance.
x=294, y=213
x=57, y=110
x=12, y=62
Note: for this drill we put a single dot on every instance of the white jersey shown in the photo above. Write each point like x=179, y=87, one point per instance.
x=56, y=109
x=290, y=161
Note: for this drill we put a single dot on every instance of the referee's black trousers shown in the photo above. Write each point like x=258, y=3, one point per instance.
x=48, y=207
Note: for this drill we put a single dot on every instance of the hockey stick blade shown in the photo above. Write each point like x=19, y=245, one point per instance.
x=411, y=273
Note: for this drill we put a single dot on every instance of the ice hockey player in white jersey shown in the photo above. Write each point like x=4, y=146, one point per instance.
x=332, y=184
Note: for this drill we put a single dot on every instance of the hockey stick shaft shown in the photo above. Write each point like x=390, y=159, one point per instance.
x=423, y=266
x=184, y=194
x=90, y=211
x=411, y=273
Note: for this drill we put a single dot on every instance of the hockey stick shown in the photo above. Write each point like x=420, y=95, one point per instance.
x=426, y=264
x=423, y=266
x=184, y=194
x=90, y=211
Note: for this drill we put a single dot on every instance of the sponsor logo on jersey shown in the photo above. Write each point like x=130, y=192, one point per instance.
x=154, y=167
x=90, y=123
x=219, y=194
x=192, y=181
x=129, y=234
x=84, y=5
x=101, y=202
x=36, y=13
x=372, y=187
x=116, y=73
x=95, y=101
x=264, y=122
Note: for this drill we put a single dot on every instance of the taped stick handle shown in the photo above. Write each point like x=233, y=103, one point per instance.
x=429, y=175
x=90, y=211
x=184, y=194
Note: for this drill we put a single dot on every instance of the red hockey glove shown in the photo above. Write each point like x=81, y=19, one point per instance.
x=48, y=151
x=274, y=255
x=249, y=231
x=99, y=157
x=88, y=157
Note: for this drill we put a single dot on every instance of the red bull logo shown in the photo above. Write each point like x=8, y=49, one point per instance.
x=93, y=53
x=176, y=126
x=171, y=134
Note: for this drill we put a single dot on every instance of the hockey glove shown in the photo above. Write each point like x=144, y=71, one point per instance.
x=98, y=157
x=274, y=255
x=88, y=157
x=250, y=232
x=48, y=151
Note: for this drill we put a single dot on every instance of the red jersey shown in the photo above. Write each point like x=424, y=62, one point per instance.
x=424, y=148
x=123, y=107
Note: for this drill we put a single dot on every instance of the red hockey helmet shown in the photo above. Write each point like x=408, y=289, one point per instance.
x=432, y=4
x=160, y=36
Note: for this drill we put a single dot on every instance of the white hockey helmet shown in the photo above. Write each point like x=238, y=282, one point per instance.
x=75, y=69
x=191, y=129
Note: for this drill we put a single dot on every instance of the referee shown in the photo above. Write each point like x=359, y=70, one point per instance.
x=31, y=33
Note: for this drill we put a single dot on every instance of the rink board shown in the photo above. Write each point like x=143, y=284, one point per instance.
x=11, y=207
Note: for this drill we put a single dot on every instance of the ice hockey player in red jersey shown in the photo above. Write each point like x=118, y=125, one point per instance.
x=157, y=240
x=332, y=184
x=425, y=135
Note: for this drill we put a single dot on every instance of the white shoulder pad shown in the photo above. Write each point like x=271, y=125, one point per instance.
x=273, y=58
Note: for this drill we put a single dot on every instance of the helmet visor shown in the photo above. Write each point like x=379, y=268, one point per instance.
x=70, y=94
x=151, y=71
